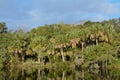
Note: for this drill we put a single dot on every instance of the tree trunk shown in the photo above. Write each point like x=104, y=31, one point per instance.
x=39, y=75
x=82, y=52
x=96, y=42
x=11, y=59
x=106, y=63
x=39, y=58
x=63, y=76
x=83, y=74
x=62, y=54
x=22, y=74
x=23, y=59
x=54, y=59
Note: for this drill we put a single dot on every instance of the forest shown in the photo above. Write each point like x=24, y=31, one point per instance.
x=88, y=45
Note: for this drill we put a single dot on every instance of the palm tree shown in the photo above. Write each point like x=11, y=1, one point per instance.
x=17, y=44
x=3, y=27
x=94, y=33
x=37, y=45
x=109, y=29
x=83, y=37
x=60, y=44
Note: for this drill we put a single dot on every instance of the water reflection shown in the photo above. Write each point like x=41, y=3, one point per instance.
x=59, y=74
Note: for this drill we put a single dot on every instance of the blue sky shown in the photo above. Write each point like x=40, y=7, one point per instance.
x=27, y=14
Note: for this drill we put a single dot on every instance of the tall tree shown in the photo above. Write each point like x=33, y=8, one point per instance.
x=3, y=27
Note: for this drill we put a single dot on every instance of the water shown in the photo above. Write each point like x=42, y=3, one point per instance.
x=59, y=74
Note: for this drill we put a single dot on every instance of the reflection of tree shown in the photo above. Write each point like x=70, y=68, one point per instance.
x=83, y=74
x=80, y=74
x=55, y=74
x=63, y=75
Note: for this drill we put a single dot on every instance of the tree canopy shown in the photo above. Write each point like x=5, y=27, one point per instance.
x=93, y=41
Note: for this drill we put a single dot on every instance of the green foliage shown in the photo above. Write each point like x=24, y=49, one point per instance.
x=3, y=27
x=95, y=40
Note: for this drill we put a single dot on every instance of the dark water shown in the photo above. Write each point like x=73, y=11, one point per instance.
x=59, y=74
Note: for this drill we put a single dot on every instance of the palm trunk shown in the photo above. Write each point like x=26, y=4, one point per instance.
x=39, y=75
x=54, y=59
x=63, y=76
x=11, y=59
x=96, y=42
x=39, y=57
x=22, y=74
x=23, y=59
x=106, y=63
x=82, y=52
x=83, y=74
x=61, y=50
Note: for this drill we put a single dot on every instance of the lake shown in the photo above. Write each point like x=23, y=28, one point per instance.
x=30, y=73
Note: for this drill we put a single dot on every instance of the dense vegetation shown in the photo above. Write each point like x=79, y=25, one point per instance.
x=92, y=44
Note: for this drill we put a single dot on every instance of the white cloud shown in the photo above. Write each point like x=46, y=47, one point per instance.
x=68, y=6
x=109, y=8
x=98, y=17
x=34, y=14
x=40, y=12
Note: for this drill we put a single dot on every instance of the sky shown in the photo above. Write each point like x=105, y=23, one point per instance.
x=28, y=14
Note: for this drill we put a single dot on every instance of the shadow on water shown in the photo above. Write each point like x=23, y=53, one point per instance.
x=59, y=74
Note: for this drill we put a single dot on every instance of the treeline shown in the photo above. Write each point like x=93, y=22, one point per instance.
x=88, y=44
